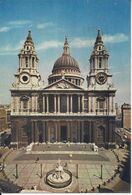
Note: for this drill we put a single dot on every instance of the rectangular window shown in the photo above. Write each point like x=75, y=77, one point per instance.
x=75, y=103
x=63, y=103
x=51, y=103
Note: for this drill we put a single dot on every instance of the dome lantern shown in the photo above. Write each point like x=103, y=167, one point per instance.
x=66, y=47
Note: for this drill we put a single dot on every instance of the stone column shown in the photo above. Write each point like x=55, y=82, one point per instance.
x=91, y=104
x=112, y=103
x=59, y=103
x=78, y=103
x=47, y=103
x=71, y=103
x=44, y=104
x=82, y=103
x=36, y=103
x=54, y=103
x=67, y=103
x=32, y=109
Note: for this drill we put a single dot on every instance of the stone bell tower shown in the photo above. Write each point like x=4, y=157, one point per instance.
x=25, y=94
x=99, y=76
x=101, y=94
x=27, y=75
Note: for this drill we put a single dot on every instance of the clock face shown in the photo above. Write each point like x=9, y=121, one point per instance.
x=24, y=78
x=101, y=78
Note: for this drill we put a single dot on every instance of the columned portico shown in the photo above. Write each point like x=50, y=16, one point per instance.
x=57, y=131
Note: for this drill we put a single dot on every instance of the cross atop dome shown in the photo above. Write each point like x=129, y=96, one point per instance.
x=66, y=47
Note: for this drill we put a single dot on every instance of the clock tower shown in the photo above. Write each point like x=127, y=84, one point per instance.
x=99, y=77
x=101, y=95
x=27, y=76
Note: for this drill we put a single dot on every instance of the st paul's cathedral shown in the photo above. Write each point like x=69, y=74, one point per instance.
x=64, y=110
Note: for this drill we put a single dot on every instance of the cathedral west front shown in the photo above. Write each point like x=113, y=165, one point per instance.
x=63, y=110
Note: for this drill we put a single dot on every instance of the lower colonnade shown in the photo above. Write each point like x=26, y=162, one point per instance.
x=61, y=131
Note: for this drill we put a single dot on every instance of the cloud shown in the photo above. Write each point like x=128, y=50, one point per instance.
x=117, y=38
x=45, y=25
x=19, y=22
x=48, y=45
x=4, y=29
x=11, y=50
x=82, y=43
x=14, y=24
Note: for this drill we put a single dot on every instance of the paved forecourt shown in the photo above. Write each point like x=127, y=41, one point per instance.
x=30, y=167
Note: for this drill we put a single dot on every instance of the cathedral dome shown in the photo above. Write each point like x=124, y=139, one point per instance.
x=66, y=62
x=66, y=67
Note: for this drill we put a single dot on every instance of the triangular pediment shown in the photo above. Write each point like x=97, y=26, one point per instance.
x=62, y=84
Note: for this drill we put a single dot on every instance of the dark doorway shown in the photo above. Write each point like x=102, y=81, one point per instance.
x=63, y=133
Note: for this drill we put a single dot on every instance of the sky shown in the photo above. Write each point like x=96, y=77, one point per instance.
x=50, y=21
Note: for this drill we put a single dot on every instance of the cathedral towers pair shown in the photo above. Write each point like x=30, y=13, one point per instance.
x=63, y=110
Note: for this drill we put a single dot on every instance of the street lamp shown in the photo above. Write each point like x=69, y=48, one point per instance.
x=77, y=171
x=101, y=176
x=41, y=170
x=16, y=170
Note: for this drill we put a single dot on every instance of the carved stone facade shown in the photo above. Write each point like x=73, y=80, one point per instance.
x=63, y=110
